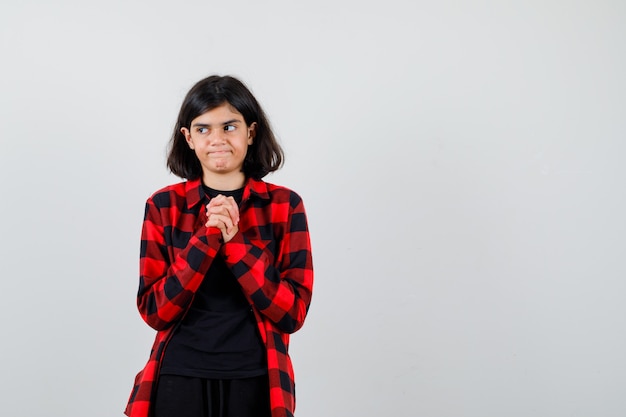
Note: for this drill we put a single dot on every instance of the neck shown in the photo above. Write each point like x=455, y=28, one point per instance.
x=229, y=182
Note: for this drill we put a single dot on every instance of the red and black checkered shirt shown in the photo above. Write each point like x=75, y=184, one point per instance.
x=270, y=257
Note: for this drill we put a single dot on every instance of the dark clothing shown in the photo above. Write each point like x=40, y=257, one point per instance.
x=218, y=338
x=179, y=396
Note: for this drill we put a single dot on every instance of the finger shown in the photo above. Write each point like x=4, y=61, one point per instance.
x=225, y=205
x=217, y=210
x=224, y=222
x=228, y=222
x=223, y=214
x=233, y=209
x=216, y=201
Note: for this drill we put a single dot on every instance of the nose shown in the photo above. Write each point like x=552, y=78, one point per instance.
x=217, y=138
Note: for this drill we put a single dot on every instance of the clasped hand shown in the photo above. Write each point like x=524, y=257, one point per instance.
x=223, y=213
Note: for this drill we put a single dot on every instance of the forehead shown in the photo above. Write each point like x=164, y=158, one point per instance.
x=218, y=115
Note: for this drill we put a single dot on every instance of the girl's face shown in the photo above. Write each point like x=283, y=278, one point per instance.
x=220, y=139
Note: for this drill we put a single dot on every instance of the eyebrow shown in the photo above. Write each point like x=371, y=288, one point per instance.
x=228, y=122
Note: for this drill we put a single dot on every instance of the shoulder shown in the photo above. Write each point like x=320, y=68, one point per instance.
x=277, y=193
x=167, y=196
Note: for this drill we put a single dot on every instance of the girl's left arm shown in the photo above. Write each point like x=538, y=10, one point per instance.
x=280, y=290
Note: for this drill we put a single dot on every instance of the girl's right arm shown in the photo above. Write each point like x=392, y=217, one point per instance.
x=167, y=286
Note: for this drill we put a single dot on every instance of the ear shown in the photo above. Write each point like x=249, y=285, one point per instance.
x=187, y=136
x=251, y=133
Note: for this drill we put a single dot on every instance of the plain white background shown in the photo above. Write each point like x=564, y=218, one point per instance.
x=461, y=163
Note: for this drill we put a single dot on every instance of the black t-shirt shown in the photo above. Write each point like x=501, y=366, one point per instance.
x=219, y=337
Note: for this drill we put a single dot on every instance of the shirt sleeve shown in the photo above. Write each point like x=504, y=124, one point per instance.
x=280, y=290
x=169, y=277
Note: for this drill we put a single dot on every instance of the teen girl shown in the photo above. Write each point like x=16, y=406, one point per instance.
x=225, y=267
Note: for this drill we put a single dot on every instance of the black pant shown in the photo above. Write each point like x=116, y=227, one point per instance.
x=181, y=396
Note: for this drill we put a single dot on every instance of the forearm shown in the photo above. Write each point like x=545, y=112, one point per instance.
x=167, y=289
x=282, y=291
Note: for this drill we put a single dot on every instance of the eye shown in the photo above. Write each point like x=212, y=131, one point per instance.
x=229, y=128
x=202, y=130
